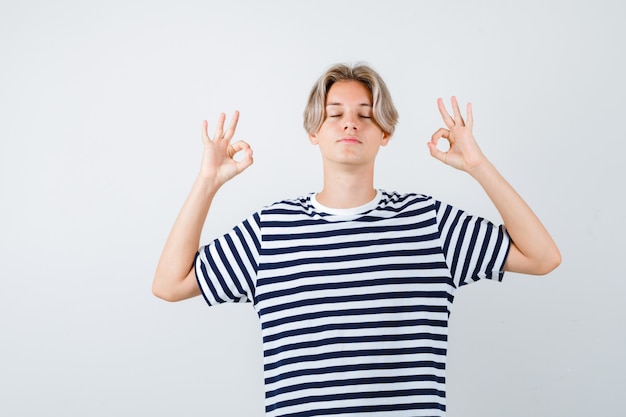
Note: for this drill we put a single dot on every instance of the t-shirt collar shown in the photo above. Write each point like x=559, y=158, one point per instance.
x=372, y=204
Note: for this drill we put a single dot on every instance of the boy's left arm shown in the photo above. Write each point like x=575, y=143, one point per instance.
x=533, y=251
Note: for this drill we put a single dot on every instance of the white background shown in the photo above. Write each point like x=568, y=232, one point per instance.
x=101, y=105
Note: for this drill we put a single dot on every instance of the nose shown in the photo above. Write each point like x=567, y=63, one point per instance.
x=349, y=123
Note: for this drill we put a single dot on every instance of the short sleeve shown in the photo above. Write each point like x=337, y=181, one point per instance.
x=474, y=247
x=226, y=268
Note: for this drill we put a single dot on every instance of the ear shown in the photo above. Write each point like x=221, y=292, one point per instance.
x=385, y=139
x=313, y=138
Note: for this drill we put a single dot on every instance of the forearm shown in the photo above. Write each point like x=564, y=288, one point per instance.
x=176, y=261
x=533, y=250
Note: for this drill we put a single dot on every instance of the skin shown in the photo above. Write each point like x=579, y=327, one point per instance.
x=349, y=140
x=533, y=251
x=174, y=279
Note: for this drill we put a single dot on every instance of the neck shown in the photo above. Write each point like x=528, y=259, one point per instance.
x=347, y=188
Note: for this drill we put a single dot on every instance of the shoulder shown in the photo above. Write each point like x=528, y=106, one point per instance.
x=290, y=209
x=297, y=204
x=396, y=201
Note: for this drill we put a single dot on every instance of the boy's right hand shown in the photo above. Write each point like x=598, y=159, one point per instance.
x=218, y=159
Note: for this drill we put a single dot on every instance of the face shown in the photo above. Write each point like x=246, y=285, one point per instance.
x=349, y=134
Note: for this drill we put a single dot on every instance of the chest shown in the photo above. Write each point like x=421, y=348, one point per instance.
x=339, y=270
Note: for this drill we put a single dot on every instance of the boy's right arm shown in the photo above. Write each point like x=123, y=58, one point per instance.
x=174, y=279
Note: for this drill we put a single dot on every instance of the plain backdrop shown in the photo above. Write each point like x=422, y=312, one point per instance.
x=101, y=104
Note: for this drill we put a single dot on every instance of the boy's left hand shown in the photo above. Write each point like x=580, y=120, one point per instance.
x=464, y=153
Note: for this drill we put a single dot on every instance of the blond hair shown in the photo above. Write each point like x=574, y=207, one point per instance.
x=384, y=112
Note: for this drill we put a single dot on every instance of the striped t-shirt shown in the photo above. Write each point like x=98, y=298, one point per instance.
x=353, y=304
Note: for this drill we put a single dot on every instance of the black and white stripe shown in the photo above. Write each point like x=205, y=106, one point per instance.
x=353, y=306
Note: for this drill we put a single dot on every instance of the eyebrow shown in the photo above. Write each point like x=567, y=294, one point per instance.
x=341, y=104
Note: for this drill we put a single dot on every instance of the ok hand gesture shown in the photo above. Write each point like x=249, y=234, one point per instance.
x=464, y=153
x=218, y=159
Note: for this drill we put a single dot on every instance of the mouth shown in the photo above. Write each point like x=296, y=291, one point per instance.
x=349, y=139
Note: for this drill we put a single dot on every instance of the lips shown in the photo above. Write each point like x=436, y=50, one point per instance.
x=350, y=139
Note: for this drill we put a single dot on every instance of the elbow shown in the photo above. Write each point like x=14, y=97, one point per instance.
x=540, y=263
x=549, y=263
x=169, y=288
x=162, y=292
